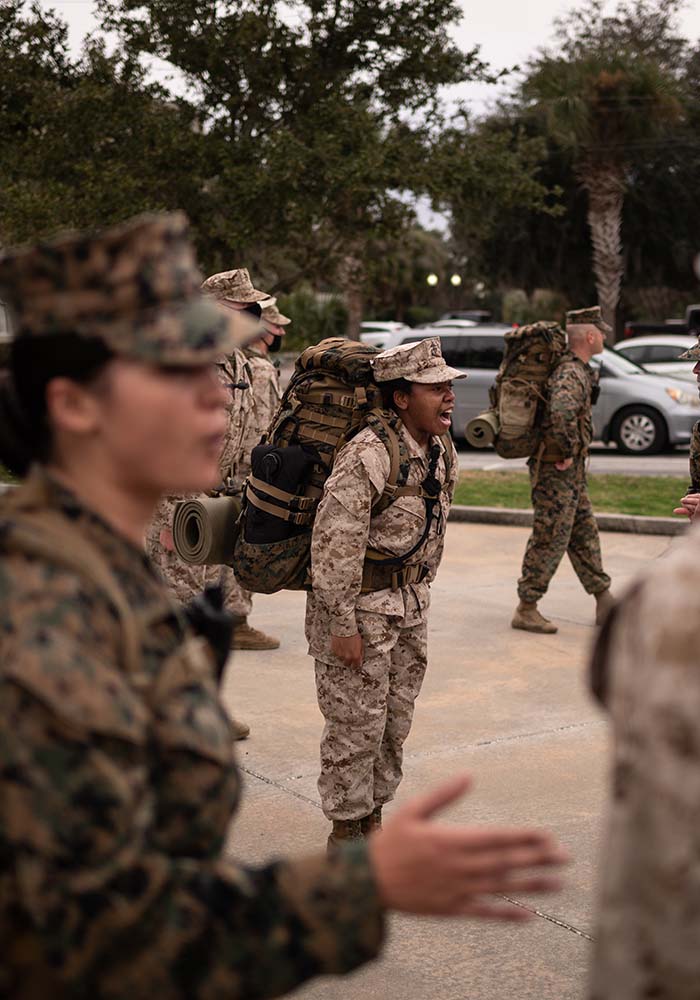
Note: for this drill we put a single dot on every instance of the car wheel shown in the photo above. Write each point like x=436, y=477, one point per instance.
x=639, y=430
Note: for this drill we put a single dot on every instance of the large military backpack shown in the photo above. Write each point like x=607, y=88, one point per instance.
x=331, y=396
x=519, y=395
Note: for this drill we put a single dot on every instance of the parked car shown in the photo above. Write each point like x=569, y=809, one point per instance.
x=477, y=315
x=660, y=354
x=691, y=324
x=640, y=412
x=383, y=334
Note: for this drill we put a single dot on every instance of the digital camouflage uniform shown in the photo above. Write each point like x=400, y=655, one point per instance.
x=368, y=712
x=647, y=673
x=265, y=398
x=563, y=517
x=185, y=580
x=117, y=781
x=247, y=421
x=116, y=792
x=694, y=459
x=236, y=373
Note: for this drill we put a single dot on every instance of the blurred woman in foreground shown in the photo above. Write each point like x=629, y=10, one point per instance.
x=117, y=780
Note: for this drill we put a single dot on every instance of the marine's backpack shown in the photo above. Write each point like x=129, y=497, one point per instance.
x=520, y=393
x=331, y=396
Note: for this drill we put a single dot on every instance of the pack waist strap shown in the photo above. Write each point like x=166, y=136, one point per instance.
x=378, y=577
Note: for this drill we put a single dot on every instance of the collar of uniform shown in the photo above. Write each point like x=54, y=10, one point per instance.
x=96, y=529
x=415, y=450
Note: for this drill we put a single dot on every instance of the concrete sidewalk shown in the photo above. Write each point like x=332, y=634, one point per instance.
x=508, y=706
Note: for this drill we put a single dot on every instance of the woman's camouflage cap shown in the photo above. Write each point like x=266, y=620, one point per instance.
x=135, y=286
x=591, y=316
x=420, y=362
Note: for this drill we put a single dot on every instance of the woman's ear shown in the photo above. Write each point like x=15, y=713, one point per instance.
x=400, y=399
x=71, y=407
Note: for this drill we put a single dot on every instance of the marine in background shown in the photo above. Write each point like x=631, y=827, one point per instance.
x=690, y=503
x=235, y=291
x=563, y=520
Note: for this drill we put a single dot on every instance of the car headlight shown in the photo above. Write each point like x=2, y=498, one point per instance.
x=683, y=398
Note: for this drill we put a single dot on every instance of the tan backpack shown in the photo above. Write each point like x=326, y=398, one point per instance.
x=331, y=397
x=519, y=395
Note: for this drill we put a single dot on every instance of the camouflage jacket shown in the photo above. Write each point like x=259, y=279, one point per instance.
x=568, y=422
x=116, y=790
x=646, y=671
x=694, y=459
x=265, y=396
x=235, y=372
x=346, y=526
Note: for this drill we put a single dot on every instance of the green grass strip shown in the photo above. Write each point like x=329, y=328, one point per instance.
x=653, y=496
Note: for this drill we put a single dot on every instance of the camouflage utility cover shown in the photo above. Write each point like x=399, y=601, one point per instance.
x=420, y=362
x=117, y=784
x=236, y=286
x=135, y=287
x=590, y=316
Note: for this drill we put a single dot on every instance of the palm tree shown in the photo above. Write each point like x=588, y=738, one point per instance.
x=606, y=107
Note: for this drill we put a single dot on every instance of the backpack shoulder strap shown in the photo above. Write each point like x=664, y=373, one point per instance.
x=385, y=425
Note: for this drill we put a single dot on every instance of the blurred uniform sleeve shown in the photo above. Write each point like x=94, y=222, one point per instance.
x=92, y=901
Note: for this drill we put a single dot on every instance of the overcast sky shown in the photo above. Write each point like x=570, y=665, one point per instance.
x=508, y=31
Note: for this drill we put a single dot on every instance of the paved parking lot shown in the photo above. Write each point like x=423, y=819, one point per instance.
x=508, y=706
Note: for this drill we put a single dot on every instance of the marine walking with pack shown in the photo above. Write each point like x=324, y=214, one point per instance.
x=541, y=410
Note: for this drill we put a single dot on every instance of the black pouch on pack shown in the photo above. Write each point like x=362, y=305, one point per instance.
x=286, y=469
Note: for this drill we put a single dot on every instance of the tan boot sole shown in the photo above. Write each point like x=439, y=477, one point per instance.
x=548, y=629
x=267, y=642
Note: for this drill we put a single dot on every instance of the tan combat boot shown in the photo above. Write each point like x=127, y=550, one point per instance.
x=239, y=730
x=372, y=822
x=604, y=601
x=344, y=830
x=528, y=618
x=246, y=637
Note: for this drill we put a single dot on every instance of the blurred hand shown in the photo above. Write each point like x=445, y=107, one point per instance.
x=434, y=869
x=689, y=505
x=348, y=648
x=565, y=464
x=166, y=539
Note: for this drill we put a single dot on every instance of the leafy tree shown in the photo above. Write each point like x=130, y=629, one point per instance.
x=86, y=142
x=319, y=115
x=608, y=93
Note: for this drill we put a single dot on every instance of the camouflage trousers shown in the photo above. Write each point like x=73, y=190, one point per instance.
x=237, y=600
x=563, y=522
x=368, y=715
x=184, y=581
